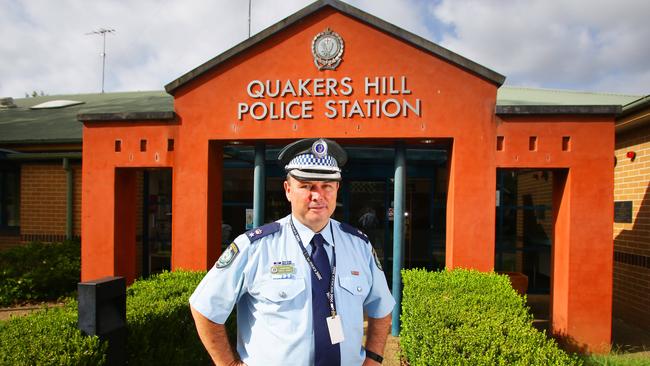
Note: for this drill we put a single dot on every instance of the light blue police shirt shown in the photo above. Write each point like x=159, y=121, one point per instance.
x=274, y=316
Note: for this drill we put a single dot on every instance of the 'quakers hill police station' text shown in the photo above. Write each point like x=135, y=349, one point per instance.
x=269, y=94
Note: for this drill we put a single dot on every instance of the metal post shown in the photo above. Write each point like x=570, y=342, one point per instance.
x=398, y=233
x=258, y=185
x=69, y=199
x=250, y=5
x=103, y=60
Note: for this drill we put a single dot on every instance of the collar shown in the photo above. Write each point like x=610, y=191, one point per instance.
x=306, y=234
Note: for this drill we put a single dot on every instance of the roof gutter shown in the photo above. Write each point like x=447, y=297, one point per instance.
x=17, y=156
x=557, y=109
x=635, y=114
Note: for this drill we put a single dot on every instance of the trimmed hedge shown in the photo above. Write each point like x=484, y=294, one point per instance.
x=159, y=323
x=464, y=317
x=39, y=271
x=49, y=337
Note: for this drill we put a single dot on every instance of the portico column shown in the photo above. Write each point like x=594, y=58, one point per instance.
x=259, y=184
x=398, y=231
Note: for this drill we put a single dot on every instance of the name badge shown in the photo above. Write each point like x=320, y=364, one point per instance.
x=336, y=329
x=283, y=270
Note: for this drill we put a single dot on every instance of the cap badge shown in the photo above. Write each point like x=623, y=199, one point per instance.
x=327, y=48
x=319, y=148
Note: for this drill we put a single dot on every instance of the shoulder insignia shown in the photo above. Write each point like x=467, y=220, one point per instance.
x=227, y=256
x=354, y=231
x=377, y=261
x=262, y=231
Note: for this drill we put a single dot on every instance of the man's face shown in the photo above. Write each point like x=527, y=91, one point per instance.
x=312, y=202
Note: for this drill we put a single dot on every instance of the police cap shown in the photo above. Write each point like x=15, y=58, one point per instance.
x=313, y=159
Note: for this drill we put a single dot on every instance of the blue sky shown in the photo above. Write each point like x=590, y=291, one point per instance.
x=572, y=44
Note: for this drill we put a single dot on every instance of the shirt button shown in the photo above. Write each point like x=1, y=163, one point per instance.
x=359, y=289
x=283, y=294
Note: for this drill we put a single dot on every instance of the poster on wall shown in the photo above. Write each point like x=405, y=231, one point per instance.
x=249, y=218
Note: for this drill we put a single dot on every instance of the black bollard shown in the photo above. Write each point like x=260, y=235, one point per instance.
x=102, y=312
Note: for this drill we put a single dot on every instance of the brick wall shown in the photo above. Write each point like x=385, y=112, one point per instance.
x=43, y=201
x=9, y=240
x=632, y=240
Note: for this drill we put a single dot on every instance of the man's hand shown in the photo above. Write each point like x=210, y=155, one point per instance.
x=376, y=337
x=215, y=340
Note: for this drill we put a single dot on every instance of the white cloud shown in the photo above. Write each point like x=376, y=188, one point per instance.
x=573, y=44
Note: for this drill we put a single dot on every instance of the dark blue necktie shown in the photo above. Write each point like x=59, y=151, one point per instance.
x=326, y=353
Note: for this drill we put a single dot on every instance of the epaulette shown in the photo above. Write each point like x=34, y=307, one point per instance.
x=262, y=231
x=354, y=231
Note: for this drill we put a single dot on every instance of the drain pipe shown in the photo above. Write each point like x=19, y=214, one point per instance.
x=69, y=179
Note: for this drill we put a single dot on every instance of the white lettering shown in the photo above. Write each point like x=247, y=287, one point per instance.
x=258, y=105
x=290, y=113
x=356, y=110
x=288, y=89
x=258, y=93
x=269, y=88
x=408, y=106
x=302, y=87
x=307, y=106
x=332, y=112
x=368, y=84
x=318, y=86
x=346, y=83
x=330, y=85
x=405, y=91
x=242, y=108
x=384, y=108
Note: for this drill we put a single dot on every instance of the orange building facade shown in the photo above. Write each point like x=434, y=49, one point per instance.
x=390, y=90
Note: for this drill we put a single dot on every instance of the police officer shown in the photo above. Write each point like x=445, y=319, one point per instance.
x=301, y=284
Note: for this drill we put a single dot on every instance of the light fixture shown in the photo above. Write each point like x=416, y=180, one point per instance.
x=427, y=141
x=631, y=155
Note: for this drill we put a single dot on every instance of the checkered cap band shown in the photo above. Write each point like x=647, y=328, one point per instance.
x=311, y=162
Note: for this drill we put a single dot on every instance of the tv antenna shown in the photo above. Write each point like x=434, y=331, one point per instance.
x=250, y=5
x=102, y=32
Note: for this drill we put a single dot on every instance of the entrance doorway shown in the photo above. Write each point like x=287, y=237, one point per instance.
x=524, y=225
x=365, y=198
x=157, y=220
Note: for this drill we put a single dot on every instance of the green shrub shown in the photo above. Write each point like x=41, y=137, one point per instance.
x=49, y=337
x=464, y=317
x=160, y=325
x=39, y=271
x=160, y=329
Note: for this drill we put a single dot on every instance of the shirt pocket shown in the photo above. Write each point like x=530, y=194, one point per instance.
x=355, y=285
x=278, y=291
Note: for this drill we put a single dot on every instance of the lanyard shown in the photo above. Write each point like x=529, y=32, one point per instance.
x=319, y=276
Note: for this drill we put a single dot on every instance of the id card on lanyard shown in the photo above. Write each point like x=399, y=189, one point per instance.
x=334, y=324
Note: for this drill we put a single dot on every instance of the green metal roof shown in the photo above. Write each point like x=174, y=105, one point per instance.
x=511, y=95
x=60, y=125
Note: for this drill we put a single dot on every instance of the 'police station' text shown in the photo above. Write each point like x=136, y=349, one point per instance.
x=270, y=94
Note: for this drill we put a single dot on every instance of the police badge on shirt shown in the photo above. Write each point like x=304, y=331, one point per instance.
x=227, y=256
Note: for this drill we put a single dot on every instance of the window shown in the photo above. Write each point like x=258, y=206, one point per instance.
x=9, y=198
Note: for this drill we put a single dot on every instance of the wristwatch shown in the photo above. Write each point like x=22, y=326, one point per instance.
x=373, y=356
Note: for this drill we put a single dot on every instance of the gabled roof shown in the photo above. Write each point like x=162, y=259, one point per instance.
x=353, y=12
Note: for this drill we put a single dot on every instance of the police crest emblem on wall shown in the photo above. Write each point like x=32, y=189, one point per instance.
x=327, y=48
